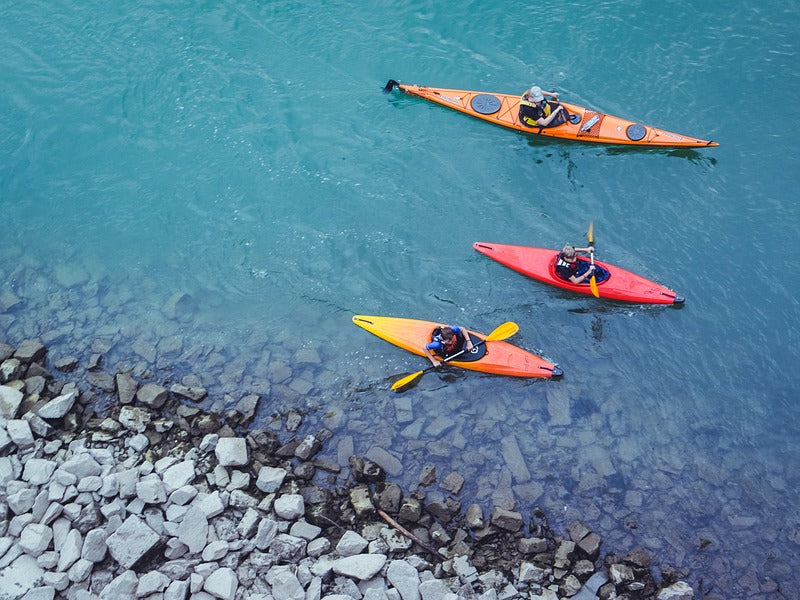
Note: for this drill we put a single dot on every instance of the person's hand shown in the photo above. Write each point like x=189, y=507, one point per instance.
x=436, y=363
x=469, y=345
x=556, y=95
x=591, y=269
x=590, y=248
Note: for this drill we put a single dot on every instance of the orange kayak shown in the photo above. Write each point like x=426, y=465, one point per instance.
x=496, y=357
x=585, y=125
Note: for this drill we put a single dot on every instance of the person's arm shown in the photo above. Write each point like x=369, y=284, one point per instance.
x=544, y=122
x=583, y=278
x=553, y=95
x=588, y=249
x=467, y=341
x=431, y=356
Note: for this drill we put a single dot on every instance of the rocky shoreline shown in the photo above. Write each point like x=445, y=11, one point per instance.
x=151, y=497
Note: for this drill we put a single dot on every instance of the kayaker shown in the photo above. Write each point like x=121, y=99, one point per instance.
x=536, y=111
x=569, y=268
x=446, y=341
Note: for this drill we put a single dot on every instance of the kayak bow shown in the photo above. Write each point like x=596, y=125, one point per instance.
x=585, y=125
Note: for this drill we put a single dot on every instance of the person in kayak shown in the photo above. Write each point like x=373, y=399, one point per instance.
x=446, y=341
x=569, y=268
x=536, y=111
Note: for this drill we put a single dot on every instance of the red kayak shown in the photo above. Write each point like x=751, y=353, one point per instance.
x=613, y=283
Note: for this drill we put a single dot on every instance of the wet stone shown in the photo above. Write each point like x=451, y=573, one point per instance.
x=152, y=394
x=30, y=350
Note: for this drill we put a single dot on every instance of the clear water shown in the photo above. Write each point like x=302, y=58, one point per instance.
x=215, y=189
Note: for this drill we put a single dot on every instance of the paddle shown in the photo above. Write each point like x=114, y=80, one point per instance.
x=593, y=280
x=504, y=331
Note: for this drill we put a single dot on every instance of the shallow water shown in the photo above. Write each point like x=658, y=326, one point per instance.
x=217, y=189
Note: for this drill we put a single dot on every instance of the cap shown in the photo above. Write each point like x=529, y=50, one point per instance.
x=536, y=93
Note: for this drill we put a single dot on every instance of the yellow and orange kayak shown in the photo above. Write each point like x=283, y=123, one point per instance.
x=585, y=125
x=496, y=357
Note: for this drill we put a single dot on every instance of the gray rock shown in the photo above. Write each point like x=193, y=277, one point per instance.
x=285, y=584
x=305, y=530
x=81, y=465
x=506, y=519
x=677, y=591
x=453, y=483
x=307, y=448
x=387, y=461
x=150, y=490
x=288, y=548
x=193, y=529
x=270, y=479
x=126, y=388
x=20, y=433
x=350, y=544
x=289, y=506
x=35, y=539
x=134, y=418
x=435, y=589
x=532, y=545
x=59, y=406
x=94, y=545
x=361, y=566
x=267, y=530
x=318, y=547
x=183, y=495
x=80, y=570
x=194, y=393
x=177, y=590
x=31, y=350
x=10, y=399
x=152, y=394
x=404, y=578
x=122, y=587
x=209, y=442
x=20, y=576
x=621, y=574
x=47, y=592
x=132, y=541
x=231, y=452
x=215, y=551
x=151, y=582
x=222, y=584
x=530, y=572
x=178, y=475
x=11, y=369
x=138, y=443
x=69, y=550
x=38, y=471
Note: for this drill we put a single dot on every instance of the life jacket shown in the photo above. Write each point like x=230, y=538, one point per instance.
x=448, y=347
x=562, y=264
x=530, y=112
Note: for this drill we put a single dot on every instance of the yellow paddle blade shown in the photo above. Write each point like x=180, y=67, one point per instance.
x=504, y=331
x=593, y=286
x=406, y=380
x=590, y=233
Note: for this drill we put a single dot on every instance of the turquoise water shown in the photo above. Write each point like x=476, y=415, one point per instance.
x=217, y=189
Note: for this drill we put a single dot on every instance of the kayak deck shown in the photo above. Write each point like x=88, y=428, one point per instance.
x=588, y=125
x=500, y=358
x=539, y=263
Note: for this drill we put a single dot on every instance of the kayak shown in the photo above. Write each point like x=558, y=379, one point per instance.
x=585, y=125
x=614, y=284
x=497, y=357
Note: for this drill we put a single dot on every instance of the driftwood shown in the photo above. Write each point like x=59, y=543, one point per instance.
x=402, y=529
x=408, y=534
